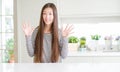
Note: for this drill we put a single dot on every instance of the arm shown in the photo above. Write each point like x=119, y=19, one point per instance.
x=64, y=41
x=29, y=46
x=63, y=47
x=30, y=34
x=30, y=41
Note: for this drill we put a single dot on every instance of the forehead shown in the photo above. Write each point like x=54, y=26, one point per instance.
x=48, y=9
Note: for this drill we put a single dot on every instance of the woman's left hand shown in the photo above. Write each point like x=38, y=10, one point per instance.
x=68, y=30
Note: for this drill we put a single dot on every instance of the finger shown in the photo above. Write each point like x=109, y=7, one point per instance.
x=32, y=29
x=23, y=26
x=69, y=34
x=70, y=28
x=28, y=23
x=66, y=27
x=62, y=28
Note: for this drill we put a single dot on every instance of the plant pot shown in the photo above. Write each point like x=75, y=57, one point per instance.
x=93, y=45
x=12, y=60
x=82, y=49
x=118, y=45
x=73, y=47
x=108, y=44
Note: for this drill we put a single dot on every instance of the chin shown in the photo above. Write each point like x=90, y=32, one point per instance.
x=48, y=23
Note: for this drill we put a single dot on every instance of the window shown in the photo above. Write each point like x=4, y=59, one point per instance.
x=103, y=29
x=6, y=31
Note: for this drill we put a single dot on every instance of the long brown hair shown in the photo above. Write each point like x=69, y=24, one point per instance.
x=38, y=52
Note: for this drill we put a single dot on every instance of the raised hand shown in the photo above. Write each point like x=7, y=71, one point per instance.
x=27, y=29
x=68, y=30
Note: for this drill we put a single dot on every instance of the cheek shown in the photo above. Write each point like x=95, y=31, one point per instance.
x=44, y=17
x=52, y=18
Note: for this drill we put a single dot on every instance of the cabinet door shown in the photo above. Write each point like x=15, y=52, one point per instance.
x=80, y=8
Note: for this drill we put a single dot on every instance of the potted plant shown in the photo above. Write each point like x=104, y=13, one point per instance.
x=95, y=39
x=73, y=43
x=118, y=42
x=108, y=42
x=82, y=44
x=10, y=51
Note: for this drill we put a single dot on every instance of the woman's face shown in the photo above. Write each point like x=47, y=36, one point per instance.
x=48, y=16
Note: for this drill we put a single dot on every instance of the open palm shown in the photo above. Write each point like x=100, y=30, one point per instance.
x=27, y=29
x=68, y=30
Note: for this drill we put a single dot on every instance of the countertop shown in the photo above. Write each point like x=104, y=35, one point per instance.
x=77, y=53
x=61, y=67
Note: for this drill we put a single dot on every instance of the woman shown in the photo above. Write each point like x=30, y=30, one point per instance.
x=47, y=43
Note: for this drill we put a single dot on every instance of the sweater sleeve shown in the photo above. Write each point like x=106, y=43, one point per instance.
x=30, y=41
x=63, y=46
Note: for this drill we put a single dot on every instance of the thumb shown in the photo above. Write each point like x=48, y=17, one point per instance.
x=33, y=29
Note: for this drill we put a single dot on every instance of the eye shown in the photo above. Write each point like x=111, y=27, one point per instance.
x=50, y=14
x=44, y=13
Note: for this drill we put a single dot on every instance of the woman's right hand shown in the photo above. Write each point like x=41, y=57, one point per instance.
x=27, y=29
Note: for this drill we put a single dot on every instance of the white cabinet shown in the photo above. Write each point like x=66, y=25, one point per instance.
x=92, y=57
x=82, y=8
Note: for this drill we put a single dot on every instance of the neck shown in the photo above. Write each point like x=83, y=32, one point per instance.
x=47, y=29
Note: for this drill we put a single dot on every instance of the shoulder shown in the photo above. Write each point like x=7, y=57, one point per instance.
x=35, y=32
x=36, y=29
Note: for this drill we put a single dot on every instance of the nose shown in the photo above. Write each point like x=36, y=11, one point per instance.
x=47, y=16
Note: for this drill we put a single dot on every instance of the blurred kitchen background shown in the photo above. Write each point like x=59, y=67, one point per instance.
x=96, y=36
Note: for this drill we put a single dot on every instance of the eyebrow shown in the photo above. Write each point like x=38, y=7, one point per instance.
x=44, y=11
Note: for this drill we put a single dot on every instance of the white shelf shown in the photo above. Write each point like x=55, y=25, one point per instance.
x=72, y=54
